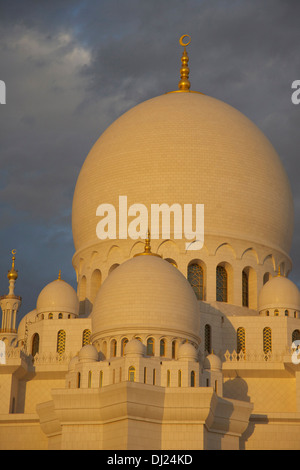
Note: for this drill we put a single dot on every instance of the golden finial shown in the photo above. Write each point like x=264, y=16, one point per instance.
x=279, y=271
x=147, y=248
x=13, y=274
x=184, y=83
x=59, y=275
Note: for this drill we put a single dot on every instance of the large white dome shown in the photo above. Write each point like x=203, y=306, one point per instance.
x=146, y=294
x=188, y=148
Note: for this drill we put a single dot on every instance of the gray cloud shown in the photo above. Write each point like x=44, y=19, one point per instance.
x=73, y=67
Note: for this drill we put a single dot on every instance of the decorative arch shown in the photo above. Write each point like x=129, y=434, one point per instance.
x=225, y=247
x=95, y=284
x=252, y=253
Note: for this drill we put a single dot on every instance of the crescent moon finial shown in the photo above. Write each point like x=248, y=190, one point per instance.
x=184, y=83
x=184, y=44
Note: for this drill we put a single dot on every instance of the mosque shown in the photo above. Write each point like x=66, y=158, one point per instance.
x=164, y=347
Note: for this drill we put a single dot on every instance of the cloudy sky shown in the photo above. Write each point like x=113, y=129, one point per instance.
x=72, y=67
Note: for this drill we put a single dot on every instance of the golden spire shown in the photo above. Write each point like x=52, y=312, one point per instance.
x=13, y=274
x=147, y=247
x=59, y=275
x=279, y=271
x=184, y=83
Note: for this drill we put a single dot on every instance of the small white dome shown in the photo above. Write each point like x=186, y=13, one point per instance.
x=148, y=294
x=58, y=296
x=73, y=363
x=279, y=292
x=88, y=354
x=187, y=352
x=134, y=347
x=212, y=362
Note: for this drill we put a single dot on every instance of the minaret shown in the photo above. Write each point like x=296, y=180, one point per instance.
x=10, y=303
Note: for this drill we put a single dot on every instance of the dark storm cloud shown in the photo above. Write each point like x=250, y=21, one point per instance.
x=72, y=67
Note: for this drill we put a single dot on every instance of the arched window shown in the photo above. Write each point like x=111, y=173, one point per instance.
x=162, y=346
x=267, y=340
x=154, y=377
x=61, y=342
x=245, y=289
x=78, y=380
x=35, y=344
x=123, y=344
x=168, y=378
x=150, y=347
x=276, y=313
x=173, y=349
x=221, y=283
x=196, y=279
x=207, y=338
x=113, y=348
x=50, y=316
x=86, y=337
x=295, y=335
x=82, y=294
x=286, y=313
x=60, y=315
x=95, y=284
x=145, y=375
x=131, y=374
x=193, y=383
x=179, y=378
x=101, y=379
x=90, y=379
x=241, y=340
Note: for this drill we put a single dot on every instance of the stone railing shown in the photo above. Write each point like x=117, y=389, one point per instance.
x=258, y=356
x=52, y=358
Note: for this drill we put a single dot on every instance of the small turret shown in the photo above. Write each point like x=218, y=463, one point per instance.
x=10, y=303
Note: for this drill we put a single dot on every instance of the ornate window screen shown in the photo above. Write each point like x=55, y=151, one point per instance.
x=86, y=337
x=195, y=278
x=241, y=340
x=61, y=342
x=245, y=288
x=221, y=284
x=267, y=340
